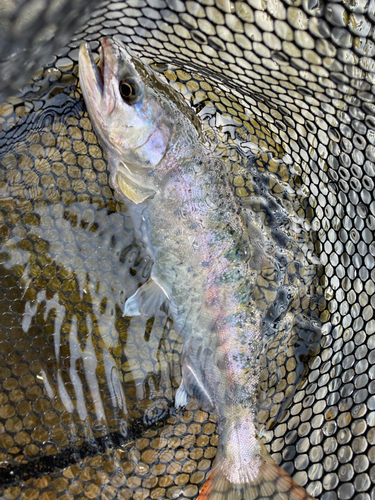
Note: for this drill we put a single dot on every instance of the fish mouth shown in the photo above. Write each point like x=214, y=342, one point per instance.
x=100, y=66
x=98, y=74
x=99, y=78
x=91, y=74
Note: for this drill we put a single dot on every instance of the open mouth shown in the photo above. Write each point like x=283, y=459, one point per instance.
x=100, y=65
x=94, y=66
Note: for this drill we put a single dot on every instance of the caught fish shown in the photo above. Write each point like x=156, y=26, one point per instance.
x=198, y=235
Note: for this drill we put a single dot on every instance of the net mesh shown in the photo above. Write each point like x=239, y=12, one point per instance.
x=32, y=32
x=283, y=87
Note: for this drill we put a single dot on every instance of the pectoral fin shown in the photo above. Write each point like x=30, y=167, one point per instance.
x=132, y=190
x=146, y=300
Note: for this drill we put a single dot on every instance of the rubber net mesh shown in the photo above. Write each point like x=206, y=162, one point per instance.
x=285, y=89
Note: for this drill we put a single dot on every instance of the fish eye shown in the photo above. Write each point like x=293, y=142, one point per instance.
x=130, y=90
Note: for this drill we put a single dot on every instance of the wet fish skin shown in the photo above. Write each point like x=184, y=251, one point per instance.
x=186, y=213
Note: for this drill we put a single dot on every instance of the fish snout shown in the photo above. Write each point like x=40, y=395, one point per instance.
x=110, y=45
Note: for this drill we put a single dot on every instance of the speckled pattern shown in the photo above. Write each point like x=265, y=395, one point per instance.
x=294, y=83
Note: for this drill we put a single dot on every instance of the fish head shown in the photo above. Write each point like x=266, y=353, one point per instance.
x=131, y=119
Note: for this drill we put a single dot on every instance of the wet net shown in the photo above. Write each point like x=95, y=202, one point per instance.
x=32, y=33
x=285, y=92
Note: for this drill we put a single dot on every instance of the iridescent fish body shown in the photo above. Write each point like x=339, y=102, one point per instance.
x=198, y=235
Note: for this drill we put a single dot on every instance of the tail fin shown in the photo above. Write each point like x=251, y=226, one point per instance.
x=271, y=483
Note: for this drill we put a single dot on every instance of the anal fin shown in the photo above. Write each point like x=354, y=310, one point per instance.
x=270, y=483
x=146, y=300
x=197, y=363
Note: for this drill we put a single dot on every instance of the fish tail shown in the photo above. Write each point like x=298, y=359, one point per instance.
x=271, y=483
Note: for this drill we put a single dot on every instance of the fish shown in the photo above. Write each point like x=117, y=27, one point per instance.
x=199, y=236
